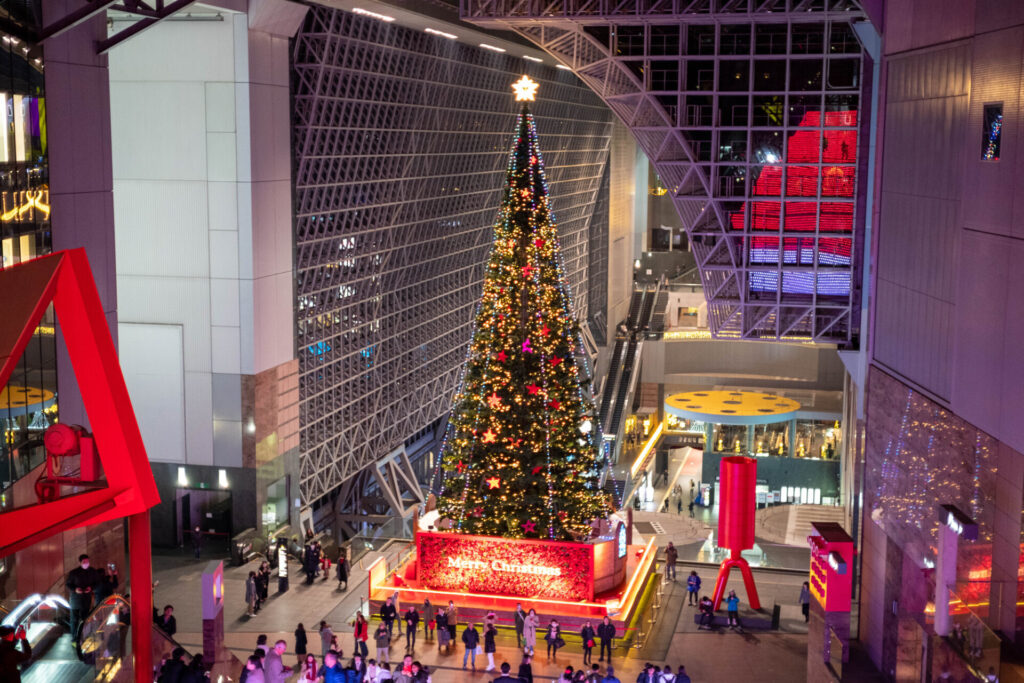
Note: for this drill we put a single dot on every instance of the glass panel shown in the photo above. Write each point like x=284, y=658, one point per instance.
x=770, y=74
x=734, y=75
x=735, y=40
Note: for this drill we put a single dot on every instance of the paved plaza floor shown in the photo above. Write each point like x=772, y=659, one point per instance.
x=674, y=638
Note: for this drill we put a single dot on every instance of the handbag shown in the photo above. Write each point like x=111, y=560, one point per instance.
x=559, y=641
x=479, y=650
x=590, y=643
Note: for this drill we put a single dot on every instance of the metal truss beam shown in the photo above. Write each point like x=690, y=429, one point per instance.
x=633, y=12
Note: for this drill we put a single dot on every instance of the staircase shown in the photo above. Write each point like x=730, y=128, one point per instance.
x=798, y=527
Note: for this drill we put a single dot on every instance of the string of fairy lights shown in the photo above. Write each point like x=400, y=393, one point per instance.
x=520, y=436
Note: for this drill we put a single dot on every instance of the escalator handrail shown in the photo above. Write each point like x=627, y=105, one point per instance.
x=20, y=614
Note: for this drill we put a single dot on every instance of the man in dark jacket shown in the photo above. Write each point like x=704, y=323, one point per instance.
x=173, y=670
x=609, y=676
x=412, y=624
x=471, y=639
x=505, y=677
x=197, y=541
x=387, y=615
x=10, y=656
x=605, y=634
x=81, y=583
x=526, y=670
x=167, y=622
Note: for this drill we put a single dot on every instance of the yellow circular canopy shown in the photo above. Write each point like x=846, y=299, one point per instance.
x=731, y=407
x=25, y=398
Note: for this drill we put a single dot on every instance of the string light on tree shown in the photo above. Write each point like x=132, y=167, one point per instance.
x=520, y=409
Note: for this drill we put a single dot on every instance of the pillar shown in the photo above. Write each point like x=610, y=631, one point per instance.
x=140, y=564
x=945, y=575
x=792, y=438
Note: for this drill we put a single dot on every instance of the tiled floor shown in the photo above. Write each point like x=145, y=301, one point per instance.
x=723, y=656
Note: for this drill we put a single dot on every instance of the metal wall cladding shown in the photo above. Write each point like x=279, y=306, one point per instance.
x=401, y=142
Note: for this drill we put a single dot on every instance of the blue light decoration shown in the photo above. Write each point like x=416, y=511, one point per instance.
x=995, y=131
x=620, y=539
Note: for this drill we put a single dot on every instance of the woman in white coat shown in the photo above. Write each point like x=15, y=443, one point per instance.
x=530, y=625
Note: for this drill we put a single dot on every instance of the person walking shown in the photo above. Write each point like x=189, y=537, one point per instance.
x=197, y=541
x=300, y=644
x=530, y=625
x=471, y=639
x=587, y=634
x=671, y=555
x=606, y=634
x=428, y=618
x=520, y=622
x=388, y=612
x=805, y=601
x=332, y=670
x=361, y=632
x=733, y=609
x=342, y=571
x=681, y=676
x=526, y=670
x=412, y=625
x=490, y=647
x=383, y=640
x=692, y=586
x=554, y=638
x=274, y=670
x=326, y=636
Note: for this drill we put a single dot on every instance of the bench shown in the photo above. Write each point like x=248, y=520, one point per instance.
x=757, y=623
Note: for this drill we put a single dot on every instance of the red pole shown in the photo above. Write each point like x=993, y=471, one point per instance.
x=140, y=563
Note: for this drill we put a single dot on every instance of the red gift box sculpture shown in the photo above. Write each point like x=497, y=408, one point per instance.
x=737, y=479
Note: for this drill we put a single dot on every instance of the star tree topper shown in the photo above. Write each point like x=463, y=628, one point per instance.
x=525, y=89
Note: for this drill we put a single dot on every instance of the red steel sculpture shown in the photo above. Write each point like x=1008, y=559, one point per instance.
x=737, y=479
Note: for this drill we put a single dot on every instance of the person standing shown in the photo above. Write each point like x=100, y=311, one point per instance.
x=587, y=636
x=554, y=638
x=300, y=644
x=383, y=640
x=681, y=676
x=253, y=672
x=520, y=623
x=428, y=617
x=342, y=571
x=309, y=670
x=388, y=613
x=471, y=639
x=274, y=670
x=606, y=634
x=667, y=676
x=412, y=625
x=326, y=636
x=692, y=586
x=361, y=632
x=506, y=676
x=526, y=670
x=453, y=619
x=250, y=594
x=106, y=582
x=490, y=647
x=197, y=541
x=733, y=608
x=167, y=622
x=805, y=601
x=443, y=635
x=530, y=625
x=11, y=658
x=81, y=583
x=332, y=670
x=671, y=555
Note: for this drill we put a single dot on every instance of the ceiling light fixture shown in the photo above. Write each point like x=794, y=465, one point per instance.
x=533, y=59
x=435, y=32
x=492, y=47
x=372, y=15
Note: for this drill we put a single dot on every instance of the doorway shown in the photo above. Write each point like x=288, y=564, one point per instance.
x=211, y=511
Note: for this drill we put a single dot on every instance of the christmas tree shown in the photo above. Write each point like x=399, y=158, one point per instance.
x=519, y=457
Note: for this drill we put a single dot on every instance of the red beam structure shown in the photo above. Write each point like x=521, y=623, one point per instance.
x=128, y=490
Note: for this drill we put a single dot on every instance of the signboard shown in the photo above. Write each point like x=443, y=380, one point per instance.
x=620, y=541
x=762, y=497
x=282, y=559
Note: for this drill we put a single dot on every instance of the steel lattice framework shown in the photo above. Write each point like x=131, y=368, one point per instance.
x=748, y=111
x=400, y=143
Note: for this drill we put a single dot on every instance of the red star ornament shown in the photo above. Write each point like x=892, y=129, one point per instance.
x=527, y=271
x=554, y=405
x=536, y=470
x=478, y=512
x=489, y=436
x=460, y=467
x=533, y=389
x=529, y=526
x=494, y=400
x=562, y=515
x=555, y=361
x=493, y=482
x=545, y=331
x=539, y=243
x=501, y=356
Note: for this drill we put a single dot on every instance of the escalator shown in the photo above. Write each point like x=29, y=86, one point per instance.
x=45, y=619
x=623, y=387
x=609, y=384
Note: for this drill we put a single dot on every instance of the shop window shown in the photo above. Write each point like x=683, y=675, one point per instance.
x=992, y=133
